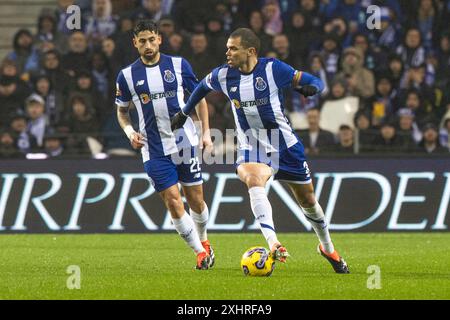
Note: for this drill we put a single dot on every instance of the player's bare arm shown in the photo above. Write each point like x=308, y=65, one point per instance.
x=123, y=116
x=203, y=115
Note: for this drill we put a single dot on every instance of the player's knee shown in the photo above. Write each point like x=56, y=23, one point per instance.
x=253, y=180
x=174, y=204
x=307, y=200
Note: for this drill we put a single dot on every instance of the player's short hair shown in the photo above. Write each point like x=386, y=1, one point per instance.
x=248, y=38
x=145, y=25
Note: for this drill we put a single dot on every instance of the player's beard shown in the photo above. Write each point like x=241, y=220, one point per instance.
x=150, y=56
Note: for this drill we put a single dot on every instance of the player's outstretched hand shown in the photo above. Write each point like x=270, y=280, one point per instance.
x=178, y=120
x=307, y=90
x=137, y=140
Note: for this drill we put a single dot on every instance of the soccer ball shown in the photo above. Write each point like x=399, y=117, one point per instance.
x=257, y=261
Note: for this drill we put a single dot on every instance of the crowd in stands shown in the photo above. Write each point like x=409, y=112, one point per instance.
x=57, y=85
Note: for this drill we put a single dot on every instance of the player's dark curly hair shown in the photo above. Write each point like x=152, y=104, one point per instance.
x=146, y=25
x=248, y=38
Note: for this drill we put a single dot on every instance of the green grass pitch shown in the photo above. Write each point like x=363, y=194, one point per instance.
x=160, y=266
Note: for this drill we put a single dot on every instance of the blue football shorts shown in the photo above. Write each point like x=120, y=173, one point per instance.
x=287, y=165
x=183, y=167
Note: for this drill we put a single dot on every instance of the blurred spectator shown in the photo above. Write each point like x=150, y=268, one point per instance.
x=360, y=81
x=444, y=133
x=166, y=29
x=315, y=138
x=350, y=10
x=11, y=98
x=346, y=141
x=330, y=52
x=102, y=75
x=387, y=37
x=53, y=144
x=281, y=46
x=383, y=103
x=81, y=123
x=25, y=141
x=187, y=12
x=411, y=51
x=407, y=127
x=125, y=52
x=54, y=101
x=388, y=140
x=428, y=21
x=176, y=47
x=48, y=37
x=364, y=130
x=149, y=9
x=24, y=54
x=37, y=121
x=273, y=24
x=430, y=143
x=361, y=42
x=101, y=24
x=85, y=88
x=256, y=24
x=201, y=60
x=77, y=58
x=443, y=60
x=8, y=147
x=301, y=34
x=216, y=38
x=338, y=27
x=311, y=9
x=60, y=81
x=395, y=71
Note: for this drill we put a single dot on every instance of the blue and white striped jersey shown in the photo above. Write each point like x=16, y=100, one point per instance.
x=157, y=91
x=257, y=102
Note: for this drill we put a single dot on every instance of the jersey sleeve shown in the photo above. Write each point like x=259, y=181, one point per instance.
x=190, y=81
x=283, y=73
x=212, y=80
x=123, y=95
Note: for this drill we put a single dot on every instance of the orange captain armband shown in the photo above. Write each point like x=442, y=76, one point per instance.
x=297, y=78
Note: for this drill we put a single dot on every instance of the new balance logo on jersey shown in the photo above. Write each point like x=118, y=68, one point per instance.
x=233, y=89
x=140, y=83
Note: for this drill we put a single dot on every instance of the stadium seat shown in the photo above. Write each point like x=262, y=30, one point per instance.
x=336, y=113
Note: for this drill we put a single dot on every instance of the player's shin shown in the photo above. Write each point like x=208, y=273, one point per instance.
x=262, y=210
x=200, y=221
x=316, y=217
x=185, y=227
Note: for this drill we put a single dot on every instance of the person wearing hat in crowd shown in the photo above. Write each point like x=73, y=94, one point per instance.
x=37, y=120
x=24, y=54
x=360, y=81
x=407, y=126
x=430, y=143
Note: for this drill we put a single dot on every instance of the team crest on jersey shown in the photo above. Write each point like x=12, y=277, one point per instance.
x=236, y=103
x=144, y=98
x=169, y=76
x=260, y=84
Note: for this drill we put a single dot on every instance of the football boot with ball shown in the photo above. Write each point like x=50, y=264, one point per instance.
x=279, y=252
